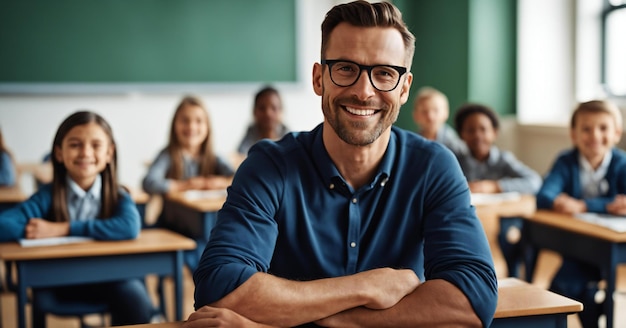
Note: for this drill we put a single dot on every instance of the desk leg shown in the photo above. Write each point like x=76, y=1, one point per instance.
x=178, y=285
x=21, y=297
x=529, y=256
x=609, y=305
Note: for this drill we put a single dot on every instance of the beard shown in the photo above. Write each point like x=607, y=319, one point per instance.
x=357, y=133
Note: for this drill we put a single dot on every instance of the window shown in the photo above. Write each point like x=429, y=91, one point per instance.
x=614, y=47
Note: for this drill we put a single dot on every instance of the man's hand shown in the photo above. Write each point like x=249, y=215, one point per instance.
x=385, y=287
x=208, y=316
x=40, y=228
x=568, y=205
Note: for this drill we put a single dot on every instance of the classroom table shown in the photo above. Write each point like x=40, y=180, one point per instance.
x=10, y=196
x=490, y=213
x=195, y=216
x=520, y=305
x=155, y=251
x=578, y=240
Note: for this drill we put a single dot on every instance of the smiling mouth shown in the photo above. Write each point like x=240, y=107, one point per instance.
x=361, y=112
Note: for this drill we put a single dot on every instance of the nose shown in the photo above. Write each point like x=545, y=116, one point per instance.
x=596, y=134
x=363, y=87
x=85, y=150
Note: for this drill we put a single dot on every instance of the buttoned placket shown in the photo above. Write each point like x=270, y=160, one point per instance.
x=354, y=224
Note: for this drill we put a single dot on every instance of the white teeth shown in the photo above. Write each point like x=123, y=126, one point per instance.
x=361, y=112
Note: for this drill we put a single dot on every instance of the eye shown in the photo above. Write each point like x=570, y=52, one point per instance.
x=345, y=67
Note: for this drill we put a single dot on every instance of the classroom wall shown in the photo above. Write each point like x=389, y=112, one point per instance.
x=466, y=49
x=141, y=120
x=448, y=56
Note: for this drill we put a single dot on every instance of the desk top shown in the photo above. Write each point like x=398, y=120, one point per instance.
x=149, y=241
x=524, y=206
x=12, y=195
x=212, y=204
x=517, y=298
x=569, y=223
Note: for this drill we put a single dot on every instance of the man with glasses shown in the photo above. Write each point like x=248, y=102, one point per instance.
x=355, y=223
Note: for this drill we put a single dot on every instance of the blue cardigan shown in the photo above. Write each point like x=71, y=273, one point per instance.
x=564, y=177
x=124, y=224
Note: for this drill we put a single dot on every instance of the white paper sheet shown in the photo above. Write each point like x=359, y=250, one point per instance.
x=615, y=223
x=486, y=199
x=53, y=241
x=205, y=194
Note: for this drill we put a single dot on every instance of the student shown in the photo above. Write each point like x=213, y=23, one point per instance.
x=491, y=170
x=84, y=199
x=355, y=222
x=7, y=165
x=430, y=112
x=268, y=115
x=187, y=163
x=590, y=177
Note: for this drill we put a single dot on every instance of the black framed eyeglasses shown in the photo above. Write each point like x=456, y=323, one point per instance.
x=345, y=73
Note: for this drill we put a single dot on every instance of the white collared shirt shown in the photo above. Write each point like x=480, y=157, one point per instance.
x=83, y=205
x=592, y=181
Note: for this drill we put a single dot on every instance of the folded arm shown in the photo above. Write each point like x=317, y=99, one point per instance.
x=280, y=302
x=434, y=303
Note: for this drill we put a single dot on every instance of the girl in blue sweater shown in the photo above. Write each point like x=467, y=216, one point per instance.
x=591, y=177
x=84, y=199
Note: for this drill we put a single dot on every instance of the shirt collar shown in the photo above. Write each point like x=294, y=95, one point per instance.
x=601, y=170
x=75, y=190
x=331, y=173
x=494, y=155
x=492, y=159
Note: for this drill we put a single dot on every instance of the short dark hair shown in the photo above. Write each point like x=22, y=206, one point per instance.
x=268, y=89
x=468, y=109
x=364, y=14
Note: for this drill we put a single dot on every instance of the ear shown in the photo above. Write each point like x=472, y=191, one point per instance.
x=317, y=78
x=58, y=154
x=405, y=87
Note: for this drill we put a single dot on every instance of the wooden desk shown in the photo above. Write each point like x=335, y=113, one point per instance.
x=10, y=196
x=195, y=218
x=523, y=305
x=578, y=240
x=155, y=251
x=490, y=215
x=519, y=305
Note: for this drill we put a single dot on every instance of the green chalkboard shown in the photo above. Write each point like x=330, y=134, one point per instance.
x=147, y=41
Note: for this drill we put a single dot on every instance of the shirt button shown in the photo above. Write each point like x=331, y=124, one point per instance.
x=354, y=200
x=353, y=244
x=332, y=186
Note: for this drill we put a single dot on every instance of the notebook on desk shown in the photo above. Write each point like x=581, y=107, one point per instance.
x=486, y=199
x=613, y=222
x=53, y=241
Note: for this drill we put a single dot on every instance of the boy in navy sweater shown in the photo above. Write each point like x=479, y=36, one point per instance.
x=591, y=177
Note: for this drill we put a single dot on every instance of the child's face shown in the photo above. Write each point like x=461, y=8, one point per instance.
x=594, y=134
x=430, y=113
x=479, y=134
x=85, y=152
x=268, y=111
x=191, y=126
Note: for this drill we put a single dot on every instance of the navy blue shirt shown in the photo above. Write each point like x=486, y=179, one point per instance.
x=291, y=214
